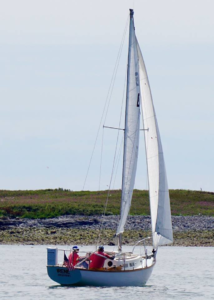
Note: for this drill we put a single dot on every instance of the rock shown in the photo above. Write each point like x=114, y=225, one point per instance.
x=180, y=223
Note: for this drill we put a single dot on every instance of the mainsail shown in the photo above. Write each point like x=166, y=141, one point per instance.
x=132, y=125
x=158, y=187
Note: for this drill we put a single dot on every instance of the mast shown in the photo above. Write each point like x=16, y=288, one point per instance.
x=131, y=132
x=128, y=78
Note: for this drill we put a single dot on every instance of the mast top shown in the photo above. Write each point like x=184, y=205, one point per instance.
x=131, y=13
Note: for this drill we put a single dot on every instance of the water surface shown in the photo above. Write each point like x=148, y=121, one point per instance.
x=180, y=273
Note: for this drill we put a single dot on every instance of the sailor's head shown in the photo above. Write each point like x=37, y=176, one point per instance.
x=101, y=248
x=75, y=248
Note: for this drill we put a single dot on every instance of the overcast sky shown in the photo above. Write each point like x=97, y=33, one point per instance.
x=57, y=59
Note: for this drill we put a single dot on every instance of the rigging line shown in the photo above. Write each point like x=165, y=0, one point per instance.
x=116, y=66
x=113, y=167
x=106, y=104
x=146, y=129
x=109, y=189
x=101, y=158
x=121, y=111
x=112, y=127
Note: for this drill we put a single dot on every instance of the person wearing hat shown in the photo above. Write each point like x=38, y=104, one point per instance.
x=74, y=256
x=98, y=258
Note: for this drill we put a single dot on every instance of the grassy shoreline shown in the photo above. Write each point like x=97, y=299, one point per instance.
x=54, y=203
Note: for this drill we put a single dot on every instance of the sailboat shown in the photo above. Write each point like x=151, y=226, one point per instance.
x=128, y=268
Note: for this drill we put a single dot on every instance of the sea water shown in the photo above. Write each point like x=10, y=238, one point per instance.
x=180, y=273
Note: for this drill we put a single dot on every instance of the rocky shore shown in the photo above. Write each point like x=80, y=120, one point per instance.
x=188, y=230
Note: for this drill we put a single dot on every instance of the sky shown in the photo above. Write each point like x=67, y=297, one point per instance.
x=57, y=59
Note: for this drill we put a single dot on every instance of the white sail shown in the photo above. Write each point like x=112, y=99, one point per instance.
x=131, y=133
x=158, y=187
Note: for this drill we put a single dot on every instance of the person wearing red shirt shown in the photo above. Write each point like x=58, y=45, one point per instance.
x=74, y=256
x=98, y=258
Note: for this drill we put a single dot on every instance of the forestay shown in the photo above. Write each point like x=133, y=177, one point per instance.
x=158, y=187
x=132, y=123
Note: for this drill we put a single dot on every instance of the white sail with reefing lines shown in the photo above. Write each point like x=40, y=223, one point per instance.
x=158, y=187
x=132, y=126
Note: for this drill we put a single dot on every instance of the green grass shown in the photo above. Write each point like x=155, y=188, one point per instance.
x=53, y=203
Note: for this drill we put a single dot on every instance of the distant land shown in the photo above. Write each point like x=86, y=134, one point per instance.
x=59, y=202
x=68, y=217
